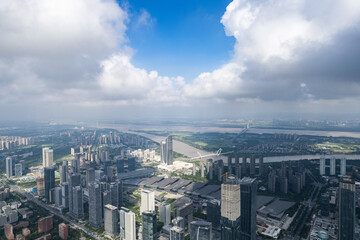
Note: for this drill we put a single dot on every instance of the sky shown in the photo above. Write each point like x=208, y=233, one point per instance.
x=196, y=59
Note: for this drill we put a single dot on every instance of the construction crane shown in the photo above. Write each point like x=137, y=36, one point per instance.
x=354, y=170
x=225, y=174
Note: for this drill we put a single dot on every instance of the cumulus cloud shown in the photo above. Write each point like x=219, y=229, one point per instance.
x=282, y=46
x=75, y=52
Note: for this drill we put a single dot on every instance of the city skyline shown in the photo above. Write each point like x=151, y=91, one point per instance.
x=241, y=58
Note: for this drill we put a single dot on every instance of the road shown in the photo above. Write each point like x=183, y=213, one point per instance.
x=308, y=205
x=73, y=223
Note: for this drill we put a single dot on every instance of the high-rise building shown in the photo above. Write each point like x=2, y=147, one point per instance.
x=200, y=230
x=40, y=183
x=325, y=205
x=163, y=153
x=332, y=166
x=111, y=220
x=213, y=213
x=116, y=193
x=48, y=157
x=272, y=181
x=63, y=231
x=148, y=225
x=58, y=196
x=74, y=180
x=347, y=210
x=147, y=201
x=72, y=151
x=18, y=170
x=44, y=156
x=166, y=151
x=127, y=224
x=78, y=205
x=343, y=166
x=49, y=179
x=75, y=164
x=90, y=176
x=9, y=167
x=261, y=165
x=248, y=190
x=252, y=166
x=186, y=212
x=322, y=166
x=65, y=194
x=45, y=224
x=230, y=209
x=177, y=233
x=244, y=166
x=63, y=172
x=283, y=185
x=120, y=165
x=169, y=150
x=165, y=213
x=131, y=164
x=95, y=205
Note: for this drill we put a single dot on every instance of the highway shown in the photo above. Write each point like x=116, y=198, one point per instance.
x=73, y=223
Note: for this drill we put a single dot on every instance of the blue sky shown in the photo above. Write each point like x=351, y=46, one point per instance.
x=184, y=38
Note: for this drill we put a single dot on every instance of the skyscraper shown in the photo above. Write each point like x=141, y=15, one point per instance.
x=325, y=204
x=111, y=219
x=169, y=150
x=58, y=196
x=40, y=186
x=65, y=194
x=95, y=205
x=48, y=157
x=9, y=167
x=252, y=166
x=346, y=210
x=63, y=171
x=120, y=165
x=78, y=205
x=116, y=193
x=244, y=165
x=49, y=179
x=127, y=224
x=248, y=189
x=166, y=151
x=165, y=213
x=213, y=212
x=163, y=153
x=90, y=176
x=131, y=164
x=322, y=166
x=200, y=230
x=147, y=201
x=149, y=225
x=343, y=166
x=230, y=209
x=44, y=156
x=74, y=180
x=332, y=166
x=261, y=165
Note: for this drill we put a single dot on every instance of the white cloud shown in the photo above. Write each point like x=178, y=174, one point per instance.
x=74, y=52
x=272, y=38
